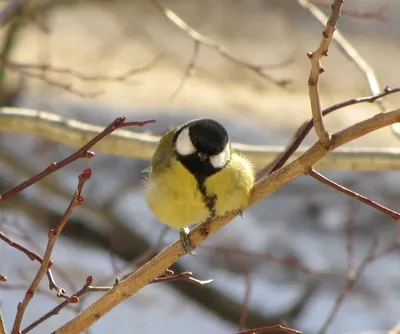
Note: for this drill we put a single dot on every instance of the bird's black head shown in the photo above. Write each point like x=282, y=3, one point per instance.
x=202, y=146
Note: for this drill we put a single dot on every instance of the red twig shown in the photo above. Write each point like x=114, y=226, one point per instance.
x=184, y=276
x=83, y=152
x=169, y=277
x=270, y=329
x=74, y=299
x=306, y=127
x=46, y=263
x=393, y=214
x=35, y=257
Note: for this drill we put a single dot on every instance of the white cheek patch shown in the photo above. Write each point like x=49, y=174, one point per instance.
x=220, y=160
x=184, y=145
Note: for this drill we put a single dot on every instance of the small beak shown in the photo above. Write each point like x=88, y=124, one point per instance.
x=202, y=156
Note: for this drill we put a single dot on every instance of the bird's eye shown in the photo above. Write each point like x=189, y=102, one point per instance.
x=184, y=145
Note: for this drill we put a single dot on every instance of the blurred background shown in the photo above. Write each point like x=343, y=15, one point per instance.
x=288, y=261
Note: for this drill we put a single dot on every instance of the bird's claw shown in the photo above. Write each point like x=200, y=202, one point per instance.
x=185, y=240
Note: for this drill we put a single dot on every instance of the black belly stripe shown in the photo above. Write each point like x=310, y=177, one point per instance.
x=209, y=199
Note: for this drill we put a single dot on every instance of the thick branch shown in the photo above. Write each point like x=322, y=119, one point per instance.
x=142, y=146
x=160, y=263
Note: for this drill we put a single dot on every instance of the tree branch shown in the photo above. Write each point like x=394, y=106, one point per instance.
x=317, y=69
x=161, y=262
x=83, y=152
x=142, y=146
x=221, y=49
x=46, y=263
x=33, y=256
x=392, y=214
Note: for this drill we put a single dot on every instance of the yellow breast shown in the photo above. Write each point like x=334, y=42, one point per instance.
x=174, y=197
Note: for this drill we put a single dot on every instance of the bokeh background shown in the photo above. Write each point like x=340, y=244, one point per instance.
x=303, y=225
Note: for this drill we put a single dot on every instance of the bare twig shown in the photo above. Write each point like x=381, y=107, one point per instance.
x=270, y=329
x=81, y=153
x=161, y=262
x=46, y=263
x=351, y=282
x=305, y=128
x=35, y=257
x=314, y=174
x=221, y=49
x=185, y=276
x=48, y=68
x=168, y=277
x=317, y=69
x=41, y=71
x=350, y=52
x=74, y=299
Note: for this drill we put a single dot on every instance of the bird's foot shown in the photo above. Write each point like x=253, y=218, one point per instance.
x=185, y=240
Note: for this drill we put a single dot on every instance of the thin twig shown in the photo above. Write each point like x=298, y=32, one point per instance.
x=350, y=52
x=81, y=153
x=74, y=299
x=40, y=72
x=270, y=329
x=81, y=76
x=161, y=262
x=317, y=69
x=46, y=263
x=370, y=257
x=314, y=174
x=185, y=276
x=35, y=257
x=305, y=128
x=221, y=49
x=169, y=277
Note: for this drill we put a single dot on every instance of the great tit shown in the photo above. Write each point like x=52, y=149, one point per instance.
x=195, y=176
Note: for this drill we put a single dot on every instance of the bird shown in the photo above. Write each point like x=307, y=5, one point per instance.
x=195, y=176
